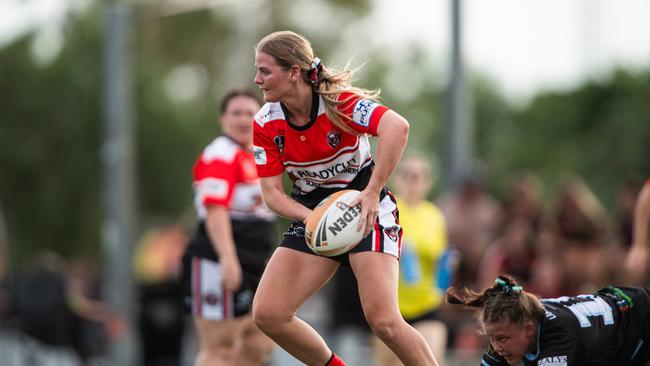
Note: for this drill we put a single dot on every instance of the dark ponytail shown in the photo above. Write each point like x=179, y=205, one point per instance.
x=505, y=300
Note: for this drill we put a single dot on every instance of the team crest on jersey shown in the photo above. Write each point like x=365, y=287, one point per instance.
x=279, y=142
x=333, y=138
x=392, y=233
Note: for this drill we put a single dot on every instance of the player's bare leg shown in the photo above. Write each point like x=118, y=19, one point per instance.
x=289, y=279
x=216, y=340
x=377, y=275
x=253, y=348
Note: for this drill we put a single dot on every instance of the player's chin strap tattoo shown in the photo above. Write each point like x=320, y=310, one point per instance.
x=507, y=286
x=314, y=71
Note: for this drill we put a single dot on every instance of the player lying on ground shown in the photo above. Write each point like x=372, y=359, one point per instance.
x=609, y=327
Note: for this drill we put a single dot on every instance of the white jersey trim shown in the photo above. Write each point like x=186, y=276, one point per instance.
x=326, y=160
x=269, y=112
x=221, y=148
x=386, y=219
x=273, y=111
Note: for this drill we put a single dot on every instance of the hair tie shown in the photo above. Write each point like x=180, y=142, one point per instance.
x=507, y=287
x=314, y=70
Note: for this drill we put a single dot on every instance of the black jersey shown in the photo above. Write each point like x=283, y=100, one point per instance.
x=609, y=327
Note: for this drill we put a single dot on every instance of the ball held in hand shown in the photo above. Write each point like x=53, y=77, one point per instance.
x=331, y=229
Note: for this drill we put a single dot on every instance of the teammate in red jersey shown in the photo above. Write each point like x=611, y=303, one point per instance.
x=226, y=257
x=314, y=127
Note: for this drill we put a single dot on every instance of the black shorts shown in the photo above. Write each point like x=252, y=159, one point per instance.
x=205, y=297
x=429, y=315
x=385, y=238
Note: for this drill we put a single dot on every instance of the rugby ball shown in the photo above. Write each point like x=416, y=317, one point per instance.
x=331, y=228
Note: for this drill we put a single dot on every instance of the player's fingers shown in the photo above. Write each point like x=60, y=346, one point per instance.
x=372, y=217
x=307, y=217
x=362, y=222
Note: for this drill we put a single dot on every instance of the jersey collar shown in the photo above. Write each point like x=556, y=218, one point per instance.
x=313, y=114
x=235, y=142
x=533, y=356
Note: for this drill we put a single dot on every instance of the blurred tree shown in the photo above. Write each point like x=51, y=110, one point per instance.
x=599, y=130
x=49, y=135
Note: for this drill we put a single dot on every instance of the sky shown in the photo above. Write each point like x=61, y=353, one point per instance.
x=529, y=45
x=522, y=45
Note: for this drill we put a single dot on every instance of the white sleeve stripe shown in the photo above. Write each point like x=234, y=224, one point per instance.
x=212, y=188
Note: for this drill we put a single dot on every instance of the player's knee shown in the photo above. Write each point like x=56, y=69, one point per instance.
x=257, y=351
x=223, y=346
x=267, y=317
x=209, y=354
x=383, y=325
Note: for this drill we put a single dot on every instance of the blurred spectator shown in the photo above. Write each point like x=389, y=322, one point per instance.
x=160, y=318
x=547, y=276
x=578, y=216
x=472, y=218
x=636, y=263
x=98, y=322
x=39, y=302
x=579, y=225
x=625, y=204
x=423, y=244
x=52, y=303
x=523, y=199
x=513, y=252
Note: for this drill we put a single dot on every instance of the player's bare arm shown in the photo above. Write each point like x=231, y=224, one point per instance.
x=279, y=201
x=392, y=135
x=220, y=232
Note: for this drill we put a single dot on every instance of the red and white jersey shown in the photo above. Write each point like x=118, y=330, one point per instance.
x=319, y=157
x=225, y=175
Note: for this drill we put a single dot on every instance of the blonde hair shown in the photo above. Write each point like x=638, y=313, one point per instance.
x=289, y=48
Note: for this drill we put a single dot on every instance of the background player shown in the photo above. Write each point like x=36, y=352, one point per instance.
x=225, y=259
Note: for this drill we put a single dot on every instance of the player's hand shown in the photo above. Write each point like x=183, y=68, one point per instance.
x=304, y=221
x=369, y=200
x=231, y=274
